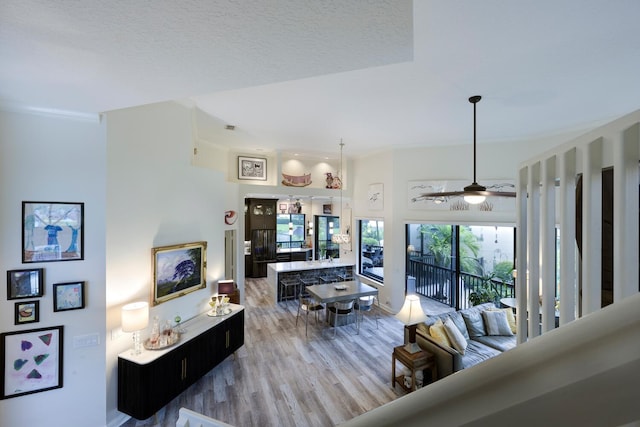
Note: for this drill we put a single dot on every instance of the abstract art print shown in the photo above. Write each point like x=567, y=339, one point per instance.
x=52, y=231
x=31, y=361
x=178, y=270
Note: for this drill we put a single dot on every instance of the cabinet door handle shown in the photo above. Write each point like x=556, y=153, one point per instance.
x=184, y=369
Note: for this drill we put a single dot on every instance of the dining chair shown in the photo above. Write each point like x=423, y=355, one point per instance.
x=365, y=304
x=341, y=309
x=307, y=304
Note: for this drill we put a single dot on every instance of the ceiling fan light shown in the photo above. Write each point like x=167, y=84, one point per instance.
x=473, y=199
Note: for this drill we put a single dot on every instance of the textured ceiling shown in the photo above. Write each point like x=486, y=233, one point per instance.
x=300, y=75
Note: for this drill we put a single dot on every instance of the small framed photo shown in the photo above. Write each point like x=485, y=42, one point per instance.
x=27, y=283
x=52, y=231
x=27, y=312
x=178, y=270
x=68, y=296
x=31, y=361
x=252, y=168
x=326, y=209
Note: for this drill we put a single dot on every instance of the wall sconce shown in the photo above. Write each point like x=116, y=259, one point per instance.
x=135, y=317
x=330, y=227
x=290, y=228
x=310, y=228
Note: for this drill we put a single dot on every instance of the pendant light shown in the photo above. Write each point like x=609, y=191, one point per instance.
x=473, y=193
x=341, y=237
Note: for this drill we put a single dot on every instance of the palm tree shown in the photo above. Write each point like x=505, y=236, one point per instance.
x=438, y=243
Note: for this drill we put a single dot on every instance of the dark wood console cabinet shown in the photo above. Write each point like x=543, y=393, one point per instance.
x=149, y=381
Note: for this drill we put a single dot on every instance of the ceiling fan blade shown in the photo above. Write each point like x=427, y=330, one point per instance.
x=446, y=194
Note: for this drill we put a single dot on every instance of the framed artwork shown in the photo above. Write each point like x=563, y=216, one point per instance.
x=31, y=361
x=252, y=168
x=326, y=209
x=27, y=283
x=375, y=197
x=68, y=296
x=52, y=231
x=178, y=270
x=27, y=312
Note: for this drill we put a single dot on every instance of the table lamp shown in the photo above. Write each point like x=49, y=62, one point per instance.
x=411, y=314
x=135, y=317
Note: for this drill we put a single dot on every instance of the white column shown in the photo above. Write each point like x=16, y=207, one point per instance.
x=568, y=277
x=592, y=228
x=626, y=153
x=548, y=243
x=532, y=274
x=521, y=255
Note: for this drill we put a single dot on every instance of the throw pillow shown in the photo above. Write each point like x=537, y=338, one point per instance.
x=496, y=323
x=438, y=334
x=422, y=327
x=475, y=323
x=458, y=340
x=511, y=318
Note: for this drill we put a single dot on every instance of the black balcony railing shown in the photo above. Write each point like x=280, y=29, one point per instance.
x=440, y=284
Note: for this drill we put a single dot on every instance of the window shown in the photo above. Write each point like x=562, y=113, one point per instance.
x=290, y=230
x=325, y=248
x=450, y=262
x=371, y=250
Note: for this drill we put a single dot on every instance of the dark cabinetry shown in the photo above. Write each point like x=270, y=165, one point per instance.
x=149, y=381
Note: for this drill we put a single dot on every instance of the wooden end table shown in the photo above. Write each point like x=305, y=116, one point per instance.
x=420, y=360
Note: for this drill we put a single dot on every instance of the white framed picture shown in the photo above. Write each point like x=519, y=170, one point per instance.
x=252, y=168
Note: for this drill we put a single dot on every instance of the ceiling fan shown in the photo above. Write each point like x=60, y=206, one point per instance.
x=473, y=193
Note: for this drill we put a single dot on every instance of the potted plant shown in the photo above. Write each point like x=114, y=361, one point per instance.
x=485, y=292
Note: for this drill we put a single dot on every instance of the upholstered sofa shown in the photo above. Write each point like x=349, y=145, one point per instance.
x=471, y=336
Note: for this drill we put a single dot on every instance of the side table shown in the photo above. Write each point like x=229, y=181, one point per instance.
x=420, y=360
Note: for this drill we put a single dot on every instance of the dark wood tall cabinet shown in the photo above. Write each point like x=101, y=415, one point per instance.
x=260, y=229
x=149, y=381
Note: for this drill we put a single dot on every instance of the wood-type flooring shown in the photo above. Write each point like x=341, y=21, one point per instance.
x=282, y=378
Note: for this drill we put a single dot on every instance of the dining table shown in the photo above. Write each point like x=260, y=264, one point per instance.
x=340, y=291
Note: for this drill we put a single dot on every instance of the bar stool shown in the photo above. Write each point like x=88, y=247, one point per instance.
x=287, y=283
x=307, y=281
x=328, y=278
x=345, y=276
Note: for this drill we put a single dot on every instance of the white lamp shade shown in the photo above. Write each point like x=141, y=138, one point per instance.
x=411, y=312
x=135, y=316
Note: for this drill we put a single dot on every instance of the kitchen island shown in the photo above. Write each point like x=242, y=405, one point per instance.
x=308, y=271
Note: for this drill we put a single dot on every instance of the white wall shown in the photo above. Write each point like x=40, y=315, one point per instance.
x=394, y=169
x=155, y=197
x=57, y=159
